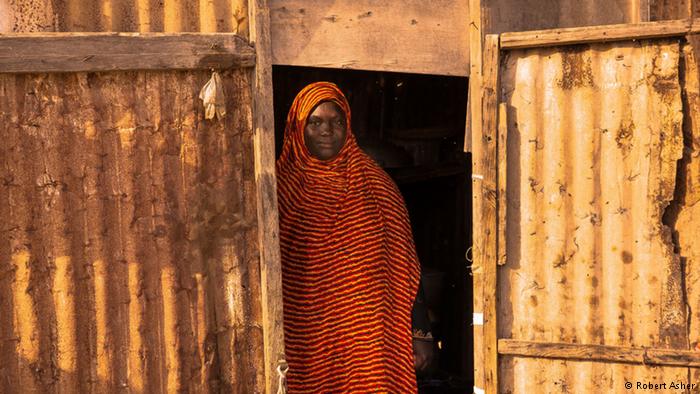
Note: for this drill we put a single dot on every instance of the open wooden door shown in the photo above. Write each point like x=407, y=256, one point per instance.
x=578, y=286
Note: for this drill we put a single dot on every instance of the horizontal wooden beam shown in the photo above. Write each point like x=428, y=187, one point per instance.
x=75, y=52
x=590, y=34
x=402, y=36
x=617, y=354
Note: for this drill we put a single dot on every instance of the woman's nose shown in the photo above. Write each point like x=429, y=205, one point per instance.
x=325, y=128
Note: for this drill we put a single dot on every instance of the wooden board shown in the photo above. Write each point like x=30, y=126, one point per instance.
x=266, y=188
x=75, y=52
x=484, y=137
x=582, y=35
x=620, y=354
x=403, y=36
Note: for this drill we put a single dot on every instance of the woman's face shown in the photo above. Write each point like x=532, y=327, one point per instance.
x=324, y=134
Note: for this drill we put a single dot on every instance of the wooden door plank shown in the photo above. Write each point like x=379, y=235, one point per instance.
x=266, y=187
x=77, y=52
x=400, y=36
x=589, y=34
x=502, y=178
x=484, y=140
x=590, y=352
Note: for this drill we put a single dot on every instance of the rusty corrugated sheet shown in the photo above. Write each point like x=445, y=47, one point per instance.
x=685, y=210
x=129, y=258
x=129, y=15
x=594, y=135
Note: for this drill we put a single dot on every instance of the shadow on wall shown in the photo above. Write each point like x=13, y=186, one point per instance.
x=128, y=254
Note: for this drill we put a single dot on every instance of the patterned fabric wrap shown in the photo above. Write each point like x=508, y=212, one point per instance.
x=349, y=266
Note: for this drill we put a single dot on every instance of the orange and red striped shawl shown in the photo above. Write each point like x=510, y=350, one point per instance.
x=349, y=266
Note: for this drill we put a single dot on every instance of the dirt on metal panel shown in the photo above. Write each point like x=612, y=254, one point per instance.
x=129, y=259
x=595, y=134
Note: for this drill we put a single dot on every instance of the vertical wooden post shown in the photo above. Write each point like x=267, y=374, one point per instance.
x=266, y=188
x=475, y=52
x=484, y=144
x=502, y=161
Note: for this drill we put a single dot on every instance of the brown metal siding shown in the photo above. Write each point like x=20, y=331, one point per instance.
x=129, y=258
x=684, y=212
x=594, y=135
x=130, y=15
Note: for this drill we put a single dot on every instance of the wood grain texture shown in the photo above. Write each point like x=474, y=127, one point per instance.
x=266, y=194
x=484, y=137
x=474, y=134
x=476, y=38
x=489, y=225
x=581, y=35
x=588, y=352
x=502, y=161
x=76, y=52
x=407, y=36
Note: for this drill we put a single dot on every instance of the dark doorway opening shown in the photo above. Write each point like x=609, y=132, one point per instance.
x=413, y=126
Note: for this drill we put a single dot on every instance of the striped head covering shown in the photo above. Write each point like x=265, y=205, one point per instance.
x=349, y=266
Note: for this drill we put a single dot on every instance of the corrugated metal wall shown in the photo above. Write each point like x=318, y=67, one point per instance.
x=128, y=255
x=520, y=15
x=594, y=135
x=683, y=214
x=129, y=15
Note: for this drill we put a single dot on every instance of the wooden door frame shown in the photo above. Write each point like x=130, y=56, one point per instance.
x=489, y=137
x=266, y=187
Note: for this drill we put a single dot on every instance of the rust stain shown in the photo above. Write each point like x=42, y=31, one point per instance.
x=576, y=69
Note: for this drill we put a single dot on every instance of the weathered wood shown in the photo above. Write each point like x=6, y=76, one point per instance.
x=474, y=133
x=75, y=52
x=489, y=225
x=266, y=194
x=582, y=35
x=403, y=36
x=587, y=352
x=476, y=37
x=502, y=177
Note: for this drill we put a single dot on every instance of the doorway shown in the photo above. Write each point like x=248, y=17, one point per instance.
x=413, y=126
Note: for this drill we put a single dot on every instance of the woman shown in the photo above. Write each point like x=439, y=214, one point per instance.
x=349, y=267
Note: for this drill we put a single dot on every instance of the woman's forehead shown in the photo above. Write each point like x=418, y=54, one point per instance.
x=327, y=108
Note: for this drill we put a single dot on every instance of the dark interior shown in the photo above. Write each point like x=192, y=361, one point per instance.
x=413, y=126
